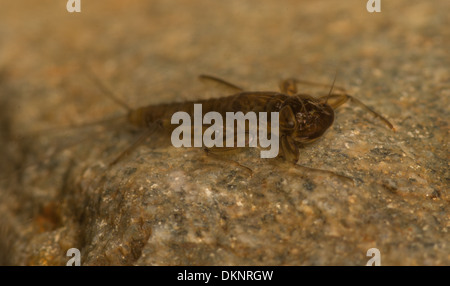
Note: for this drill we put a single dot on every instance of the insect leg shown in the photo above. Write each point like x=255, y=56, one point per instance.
x=295, y=167
x=346, y=178
x=221, y=82
x=311, y=83
x=216, y=152
x=336, y=100
x=288, y=86
x=290, y=152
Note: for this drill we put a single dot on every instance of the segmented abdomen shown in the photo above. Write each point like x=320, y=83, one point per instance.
x=244, y=101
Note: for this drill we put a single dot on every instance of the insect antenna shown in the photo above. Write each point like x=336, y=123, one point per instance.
x=331, y=89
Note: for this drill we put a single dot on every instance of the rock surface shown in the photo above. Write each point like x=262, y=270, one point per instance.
x=167, y=206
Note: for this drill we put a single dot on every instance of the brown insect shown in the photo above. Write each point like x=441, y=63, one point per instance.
x=302, y=118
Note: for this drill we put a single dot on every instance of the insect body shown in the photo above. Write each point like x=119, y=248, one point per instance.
x=302, y=118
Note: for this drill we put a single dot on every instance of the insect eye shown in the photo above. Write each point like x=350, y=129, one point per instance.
x=287, y=118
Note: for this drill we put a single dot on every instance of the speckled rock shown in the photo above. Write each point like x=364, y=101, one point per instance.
x=167, y=206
